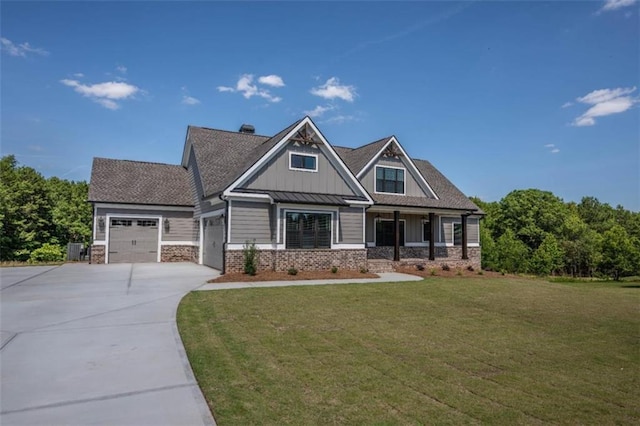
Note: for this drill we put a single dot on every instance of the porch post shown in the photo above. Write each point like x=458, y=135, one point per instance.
x=432, y=242
x=464, y=237
x=396, y=227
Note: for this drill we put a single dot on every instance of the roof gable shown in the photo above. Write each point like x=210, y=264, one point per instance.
x=303, y=131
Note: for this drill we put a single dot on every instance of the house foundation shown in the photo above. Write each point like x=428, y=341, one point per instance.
x=303, y=260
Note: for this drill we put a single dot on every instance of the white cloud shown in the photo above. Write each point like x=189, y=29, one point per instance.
x=271, y=80
x=190, y=100
x=555, y=151
x=616, y=4
x=552, y=148
x=22, y=49
x=121, y=69
x=104, y=94
x=319, y=111
x=78, y=75
x=248, y=89
x=604, y=95
x=333, y=89
x=567, y=104
x=340, y=119
x=549, y=145
x=604, y=102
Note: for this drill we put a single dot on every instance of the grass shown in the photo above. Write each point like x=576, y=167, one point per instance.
x=443, y=350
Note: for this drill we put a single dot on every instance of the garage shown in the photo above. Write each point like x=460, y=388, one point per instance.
x=212, y=242
x=133, y=240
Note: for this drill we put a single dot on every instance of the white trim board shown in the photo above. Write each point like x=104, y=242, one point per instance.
x=303, y=154
x=143, y=207
x=280, y=145
x=417, y=173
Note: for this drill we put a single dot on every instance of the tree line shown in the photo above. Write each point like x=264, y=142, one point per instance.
x=533, y=231
x=39, y=216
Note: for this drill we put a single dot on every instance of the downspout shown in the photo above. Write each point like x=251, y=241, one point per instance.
x=224, y=241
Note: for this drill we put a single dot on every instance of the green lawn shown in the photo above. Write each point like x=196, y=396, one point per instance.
x=443, y=350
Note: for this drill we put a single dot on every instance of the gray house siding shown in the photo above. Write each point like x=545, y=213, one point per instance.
x=350, y=231
x=446, y=229
x=181, y=224
x=195, y=181
x=250, y=221
x=412, y=187
x=276, y=175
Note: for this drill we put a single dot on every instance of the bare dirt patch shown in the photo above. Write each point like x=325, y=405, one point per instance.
x=284, y=276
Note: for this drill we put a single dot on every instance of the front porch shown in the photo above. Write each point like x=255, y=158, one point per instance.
x=418, y=236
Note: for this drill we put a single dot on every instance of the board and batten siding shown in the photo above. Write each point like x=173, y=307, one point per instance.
x=473, y=229
x=181, y=224
x=251, y=221
x=412, y=187
x=276, y=174
x=195, y=181
x=350, y=231
x=412, y=231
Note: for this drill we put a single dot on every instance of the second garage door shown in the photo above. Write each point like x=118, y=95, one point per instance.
x=212, y=242
x=133, y=240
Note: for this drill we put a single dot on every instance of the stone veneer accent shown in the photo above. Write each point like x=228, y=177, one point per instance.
x=179, y=254
x=97, y=254
x=303, y=260
x=451, y=256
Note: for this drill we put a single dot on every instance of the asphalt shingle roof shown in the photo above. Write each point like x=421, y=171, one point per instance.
x=449, y=196
x=137, y=182
x=223, y=156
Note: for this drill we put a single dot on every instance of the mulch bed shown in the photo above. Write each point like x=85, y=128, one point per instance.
x=284, y=276
x=451, y=273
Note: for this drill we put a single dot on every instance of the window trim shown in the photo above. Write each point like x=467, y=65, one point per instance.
x=303, y=154
x=333, y=213
x=375, y=179
x=384, y=219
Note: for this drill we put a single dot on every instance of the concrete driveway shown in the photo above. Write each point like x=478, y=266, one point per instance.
x=97, y=344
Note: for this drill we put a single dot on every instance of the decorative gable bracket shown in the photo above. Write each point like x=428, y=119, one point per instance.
x=391, y=151
x=306, y=136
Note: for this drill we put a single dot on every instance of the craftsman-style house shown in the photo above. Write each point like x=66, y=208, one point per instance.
x=304, y=203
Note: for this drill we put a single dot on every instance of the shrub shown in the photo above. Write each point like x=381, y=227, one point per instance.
x=249, y=252
x=292, y=271
x=459, y=272
x=480, y=272
x=334, y=269
x=363, y=270
x=47, y=253
x=433, y=272
x=446, y=267
x=470, y=268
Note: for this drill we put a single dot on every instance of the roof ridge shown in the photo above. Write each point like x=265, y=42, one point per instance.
x=139, y=161
x=376, y=141
x=229, y=131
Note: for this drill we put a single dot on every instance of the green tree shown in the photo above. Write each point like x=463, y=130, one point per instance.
x=597, y=215
x=548, y=257
x=511, y=254
x=620, y=254
x=71, y=213
x=25, y=210
x=531, y=214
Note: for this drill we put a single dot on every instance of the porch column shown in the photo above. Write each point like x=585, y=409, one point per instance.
x=396, y=227
x=464, y=237
x=432, y=239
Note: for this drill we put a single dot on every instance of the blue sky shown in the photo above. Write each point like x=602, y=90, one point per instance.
x=497, y=95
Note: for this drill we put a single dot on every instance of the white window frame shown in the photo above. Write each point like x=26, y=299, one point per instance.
x=375, y=179
x=304, y=154
x=334, y=225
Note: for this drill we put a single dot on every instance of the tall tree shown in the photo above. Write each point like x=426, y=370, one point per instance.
x=620, y=255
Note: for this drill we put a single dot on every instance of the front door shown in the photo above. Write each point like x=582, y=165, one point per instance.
x=385, y=233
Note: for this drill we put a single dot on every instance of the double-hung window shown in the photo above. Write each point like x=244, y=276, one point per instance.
x=389, y=180
x=308, y=230
x=457, y=234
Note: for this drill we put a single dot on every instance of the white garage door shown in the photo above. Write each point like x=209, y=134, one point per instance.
x=133, y=240
x=213, y=237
